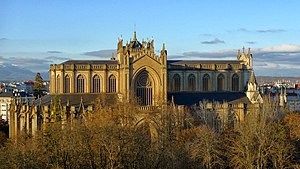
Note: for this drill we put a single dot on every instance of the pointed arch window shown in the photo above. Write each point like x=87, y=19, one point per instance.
x=220, y=82
x=206, y=83
x=57, y=84
x=112, y=84
x=235, y=82
x=80, y=84
x=144, y=88
x=67, y=84
x=96, y=84
x=176, y=83
x=191, y=82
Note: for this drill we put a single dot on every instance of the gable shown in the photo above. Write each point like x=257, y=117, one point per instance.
x=147, y=61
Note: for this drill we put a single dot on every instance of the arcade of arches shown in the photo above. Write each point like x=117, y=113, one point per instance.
x=138, y=71
x=123, y=75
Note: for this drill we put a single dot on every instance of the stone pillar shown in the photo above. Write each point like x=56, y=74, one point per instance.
x=16, y=124
x=241, y=79
x=213, y=81
x=62, y=77
x=34, y=124
x=11, y=124
x=105, y=80
x=27, y=114
x=88, y=86
x=227, y=81
x=164, y=93
x=72, y=81
x=22, y=122
x=52, y=79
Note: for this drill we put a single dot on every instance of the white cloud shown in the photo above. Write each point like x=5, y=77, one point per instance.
x=215, y=41
x=282, y=59
x=101, y=53
x=280, y=48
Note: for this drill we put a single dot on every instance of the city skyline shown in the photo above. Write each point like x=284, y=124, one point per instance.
x=35, y=34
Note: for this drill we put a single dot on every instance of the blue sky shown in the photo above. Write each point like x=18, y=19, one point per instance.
x=36, y=33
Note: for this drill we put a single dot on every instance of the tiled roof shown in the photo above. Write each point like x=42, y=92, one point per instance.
x=74, y=99
x=91, y=62
x=6, y=94
x=181, y=62
x=191, y=98
x=135, y=44
x=16, y=94
x=173, y=62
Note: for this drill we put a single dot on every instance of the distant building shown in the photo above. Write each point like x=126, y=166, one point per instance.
x=28, y=86
x=284, y=97
x=138, y=72
x=6, y=99
x=297, y=86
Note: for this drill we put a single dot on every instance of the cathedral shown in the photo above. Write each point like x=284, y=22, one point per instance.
x=137, y=71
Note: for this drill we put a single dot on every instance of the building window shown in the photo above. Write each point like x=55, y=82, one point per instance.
x=144, y=89
x=206, y=83
x=112, y=84
x=176, y=83
x=96, y=84
x=67, y=84
x=220, y=82
x=58, y=84
x=235, y=82
x=192, y=82
x=80, y=84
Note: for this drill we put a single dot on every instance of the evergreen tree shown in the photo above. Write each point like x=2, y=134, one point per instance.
x=38, y=86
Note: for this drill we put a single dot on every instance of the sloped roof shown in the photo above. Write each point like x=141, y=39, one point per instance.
x=191, y=98
x=74, y=99
x=135, y=44
x=17, y=94
x=181, y=62
x=91, y=62
x=6, y=94
x=252, y=78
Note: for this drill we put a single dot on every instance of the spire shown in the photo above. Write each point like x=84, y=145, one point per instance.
x=112, y=56
x=284, y=91
x=238, y=54
x=252, y=78
x=164, y=47
x=243, y=50
x=26, y=100
x=32, y=101
x=284, y=95
x=172, y=101
x=134, y=36
x=249, y=52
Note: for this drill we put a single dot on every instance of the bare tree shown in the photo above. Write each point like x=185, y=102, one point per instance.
x=259, y=143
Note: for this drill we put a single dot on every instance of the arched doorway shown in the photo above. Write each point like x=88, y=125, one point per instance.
x=144, y=88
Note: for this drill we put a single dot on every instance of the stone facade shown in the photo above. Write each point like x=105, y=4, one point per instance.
x=137, y=68
x=138, y=72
